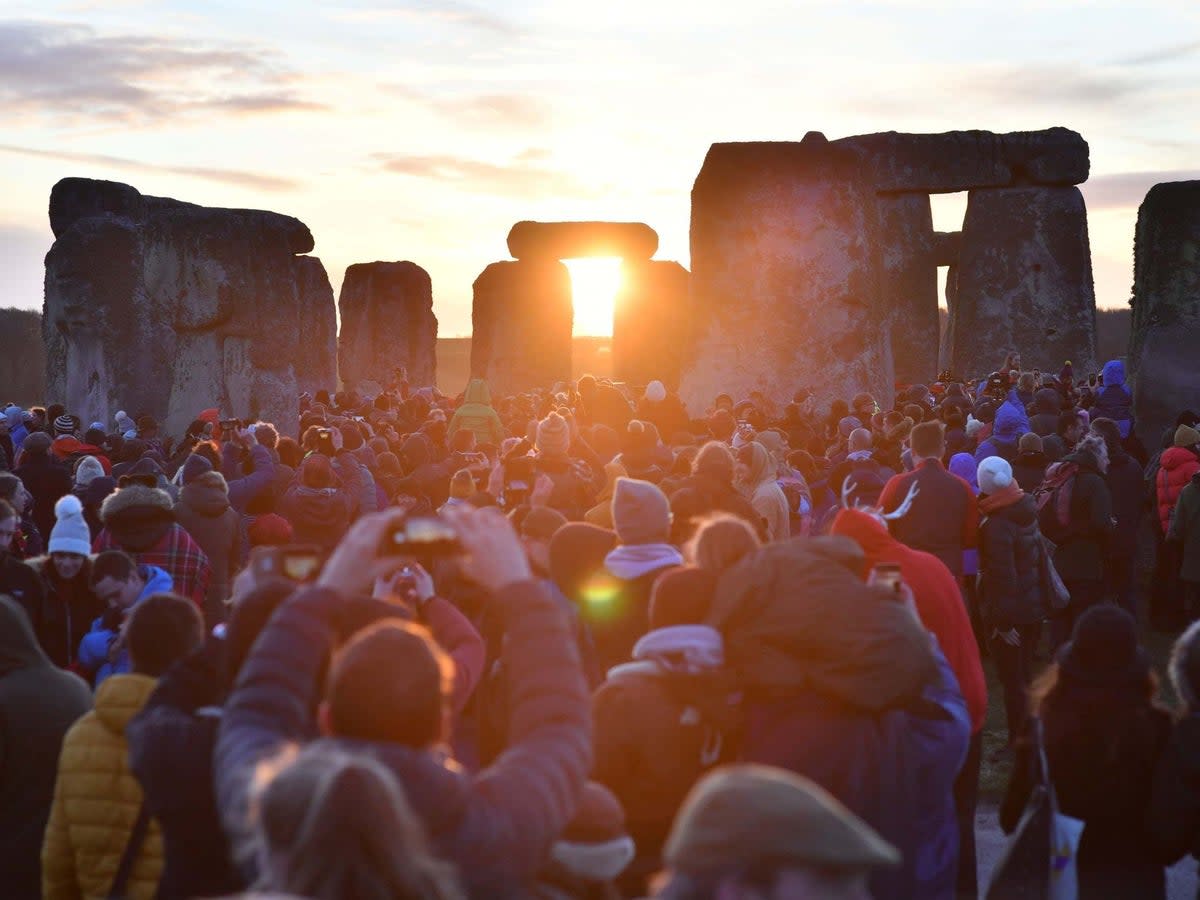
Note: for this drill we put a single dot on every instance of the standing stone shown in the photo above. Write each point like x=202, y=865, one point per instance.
x=318, y=313
x=574, y=240
x=387, y=321
x=1024, y=282
x=158, y=306
x=786, y=275
x=910, y=285
x=1164, y=345
x=522, y=321
x=650, y=323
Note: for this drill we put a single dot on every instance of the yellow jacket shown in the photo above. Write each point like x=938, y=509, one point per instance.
x=96, y=802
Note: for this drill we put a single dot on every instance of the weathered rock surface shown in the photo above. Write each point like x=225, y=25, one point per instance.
x=786, y=275
x=910, y=285
x=571, y=240
x=522, y=321
x=1024, y=281
x=1163, y=346
x=947, y=245
x=158, y=306
x=964, y=160
x=387, y=321
x=650, y=323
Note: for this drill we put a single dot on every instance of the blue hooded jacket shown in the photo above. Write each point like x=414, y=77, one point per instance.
x=1011, y=423
x=1115, y=401
x=93, y=649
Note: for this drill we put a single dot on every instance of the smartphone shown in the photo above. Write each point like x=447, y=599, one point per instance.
x=300, y=563
x=422, y=537
x=887, y=575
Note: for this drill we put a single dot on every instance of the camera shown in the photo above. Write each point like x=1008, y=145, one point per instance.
x=300, y=563
x=229, y=426
x=520, y=473
x=422, y=537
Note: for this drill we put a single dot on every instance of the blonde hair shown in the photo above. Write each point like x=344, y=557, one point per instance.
x=331, y=825
x=721, y=542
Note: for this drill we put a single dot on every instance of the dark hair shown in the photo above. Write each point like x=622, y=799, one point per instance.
x=390, y=683
x=162, y=629
x=915, y=412
x=249, y=618
x=953, y=417
x=289, y=452
x=115, y=564
x=1067, y=419
x=95, y=436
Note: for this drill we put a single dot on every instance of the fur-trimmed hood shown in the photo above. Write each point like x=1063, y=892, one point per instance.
x=207, y=494
x=137, y=516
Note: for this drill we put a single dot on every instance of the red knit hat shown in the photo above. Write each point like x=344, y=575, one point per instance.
x=269, y=530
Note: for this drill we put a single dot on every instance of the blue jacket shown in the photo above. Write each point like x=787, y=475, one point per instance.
x=1011, y=422
x=244, y=488
x=93, y=649
x=895, y=770
x=497, y=826
x=1115, y=401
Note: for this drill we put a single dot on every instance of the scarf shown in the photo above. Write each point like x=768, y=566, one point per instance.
x=631, y=561
x=1005, y=497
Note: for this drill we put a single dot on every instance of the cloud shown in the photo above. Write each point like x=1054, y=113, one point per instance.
x=66, y=71
x=520, y=178
x=450, y=12
x=21, y=271
x=494, y=110
x=1164, y=54
x=1125, y=190
x=227, y=176
x=1053, y=84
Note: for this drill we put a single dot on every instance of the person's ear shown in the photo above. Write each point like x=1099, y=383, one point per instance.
x=324, y=719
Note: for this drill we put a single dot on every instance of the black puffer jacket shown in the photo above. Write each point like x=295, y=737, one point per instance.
x=1080, y=553
x=1010, y=556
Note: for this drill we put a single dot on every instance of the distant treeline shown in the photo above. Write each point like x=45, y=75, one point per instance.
x=23, y=379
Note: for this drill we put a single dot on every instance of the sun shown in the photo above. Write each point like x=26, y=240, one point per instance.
x=594, y=287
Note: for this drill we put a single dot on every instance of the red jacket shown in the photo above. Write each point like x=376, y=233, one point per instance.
x=939, y=601
x=1176, y=468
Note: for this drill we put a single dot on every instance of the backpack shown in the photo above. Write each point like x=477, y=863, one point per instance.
x=1053, y=498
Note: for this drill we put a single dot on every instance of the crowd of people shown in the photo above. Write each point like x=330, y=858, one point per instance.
x=584, y=642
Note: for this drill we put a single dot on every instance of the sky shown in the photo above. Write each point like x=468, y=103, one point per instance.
x=424, y=130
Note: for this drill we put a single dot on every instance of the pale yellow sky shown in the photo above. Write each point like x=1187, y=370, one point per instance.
x=423, y=130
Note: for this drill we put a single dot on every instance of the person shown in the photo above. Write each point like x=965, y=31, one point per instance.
x=68, y=605
x=386, y=690
x=477, y=415
x=940, y=606
x=1103, y=726
x=1011, y=422
x=1066, y=435
x=1115, y=401
x=331, y=825
x=753, y=831
x=44, y=477
x=860, y=464
x=38, y=703
x=1011, y=593
x=944, y=517
x=171, y=741
x=97, y=802
x=1174, y=814
x=1047, y=404
x=1030, y=464
x=316, y=507
x=602, y=404
x=642, y=520
x=563, y=482
x=17, y=579
x=203, y=510
x=666, y=717
x=240, y=450
x=756, y=481
x=1184, y=533
x=601, y=514
x=1126, y=488
x=140, y=521
x=1177, y=465
x=594, y=849
x=710, y=489
x=120, y=584
x=1082, y=534
x=664, y=409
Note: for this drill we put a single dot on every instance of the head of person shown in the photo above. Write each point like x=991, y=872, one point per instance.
x=1030, y=443
x=863, y=407
x=682, y=596
x=36, y=445
x=1070, y=429
x=1186, y=437
x=754, y=465
x=641, y=513
x=928, y=441
x=994, y=475
x=1185, y=668
x=70, y=540
x=1027, y=383
x=389, y=683
x=331, y=825
x=10, y=522
x=537, y=529
x=317, y=472
x=752, y=832
x=162, y=629
x=115, y=579
x=553, y=437
x=860, y=440
x=715, y=460
x=289, y=452
x=722, y=424
x=721, y=542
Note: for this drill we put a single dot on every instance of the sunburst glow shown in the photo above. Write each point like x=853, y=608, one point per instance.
x=594, y=286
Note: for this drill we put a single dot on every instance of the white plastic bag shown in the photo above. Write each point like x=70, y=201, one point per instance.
x=1064, y=880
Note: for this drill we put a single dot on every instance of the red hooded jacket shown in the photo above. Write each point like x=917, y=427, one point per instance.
x=1176, y=468
x=938, y=600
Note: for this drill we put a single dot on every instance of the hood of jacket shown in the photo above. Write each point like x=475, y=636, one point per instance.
x=478, y=392
x=1176, y=457
x=138, y=516
x=1086, y=458
x=1009, y=424
x=866, y=531
x=964, y=466
x=121, y=697
x=1022, y=513
x=317, y=504
x=1114, y=373
x=98, y=488
x=158, y=581
x=19, y=649
x=207, y=495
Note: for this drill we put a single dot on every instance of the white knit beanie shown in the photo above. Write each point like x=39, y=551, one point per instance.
x=656, y=392
x=994, y=474
x=70, y=533
x=88, y=470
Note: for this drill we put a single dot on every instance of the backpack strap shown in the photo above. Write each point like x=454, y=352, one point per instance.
x=137, y=837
